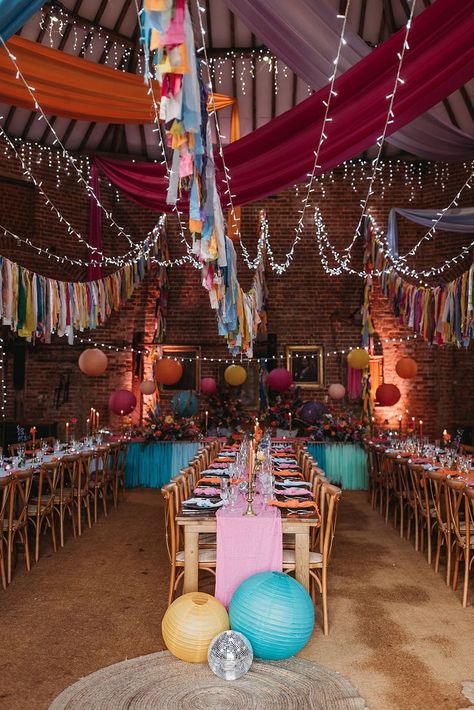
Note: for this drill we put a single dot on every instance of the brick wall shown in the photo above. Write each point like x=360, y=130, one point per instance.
x=306, y=305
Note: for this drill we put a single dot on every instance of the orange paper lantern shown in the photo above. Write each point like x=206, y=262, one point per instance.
x=406, y=368
x=358, y=359
x=147, y=387
x=93, y=362
x=168, y=371
x=387, y=394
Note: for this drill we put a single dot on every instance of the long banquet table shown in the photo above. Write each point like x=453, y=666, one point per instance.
x=153, y=465
x=344, y=464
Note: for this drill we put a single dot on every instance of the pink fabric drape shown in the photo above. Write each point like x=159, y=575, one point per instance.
x=246, y=546
x=95, y=228
x=354, y=383
x=280, y=154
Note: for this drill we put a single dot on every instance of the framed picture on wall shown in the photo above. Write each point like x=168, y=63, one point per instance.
x=191, y=376
x=248, y=392
x=306, y=364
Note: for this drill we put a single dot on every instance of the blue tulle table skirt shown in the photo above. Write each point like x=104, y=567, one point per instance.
x=344, y=464
x=153, y=465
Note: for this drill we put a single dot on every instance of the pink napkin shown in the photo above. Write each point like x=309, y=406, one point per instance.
x=246, y=545
x=206, y=491
x=295, y=492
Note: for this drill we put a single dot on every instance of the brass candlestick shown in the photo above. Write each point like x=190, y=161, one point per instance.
x=250, y=511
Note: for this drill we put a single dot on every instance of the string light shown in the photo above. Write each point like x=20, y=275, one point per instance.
x=248, y=60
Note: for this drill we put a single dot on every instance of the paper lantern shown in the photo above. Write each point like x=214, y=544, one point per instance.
x=235, y=375
x=230, y=655
x=275, y=613
x=122, y=402
x=312, y=411
x=387, y=394
x=168, y=371
x=184, y=404
x=93, y=362
x=406, y=368
x=191, y=623
x=280, y=379
x=358, y=359
x=208, y=385
x=336, y=391
x=147, y=387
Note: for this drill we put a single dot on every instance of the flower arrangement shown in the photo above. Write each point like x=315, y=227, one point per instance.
x=280, y=406
x=225, y=412
x=339, y=426
x=168, y=427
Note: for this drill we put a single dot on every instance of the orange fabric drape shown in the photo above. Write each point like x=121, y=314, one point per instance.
x=77, y=88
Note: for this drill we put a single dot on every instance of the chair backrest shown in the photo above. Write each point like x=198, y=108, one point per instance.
x=114, y=456
x=188, y=473
x=69, y=473
x=6, y=491
x=99, y=467
x=466, y=449
x=168, y=493
x=19, y=498
x=27, y=445
x=84, y=471
x=438, y=496
x=49, y=440
x=469, y=494
x=123, y=451
x=420, y=489
x=458, y=509
x=332, y=498
x=47, y=481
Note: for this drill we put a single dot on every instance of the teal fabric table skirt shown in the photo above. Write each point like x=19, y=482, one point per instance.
x=343, y=463
x=153, y=465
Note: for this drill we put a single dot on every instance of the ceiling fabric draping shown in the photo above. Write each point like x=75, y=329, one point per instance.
x=305, y=34
x=14, y=14
x=280, y=153
x=459, y=220
x=73, y=87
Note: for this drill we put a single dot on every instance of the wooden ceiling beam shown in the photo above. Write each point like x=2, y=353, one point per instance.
x=93, y=24
x=209, y=26
x=467, y=101
x=363, y=8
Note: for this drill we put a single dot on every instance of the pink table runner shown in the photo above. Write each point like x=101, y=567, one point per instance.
x=246, y=545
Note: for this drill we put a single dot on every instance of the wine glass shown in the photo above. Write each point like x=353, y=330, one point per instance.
x=224, y=492
x=233, y=492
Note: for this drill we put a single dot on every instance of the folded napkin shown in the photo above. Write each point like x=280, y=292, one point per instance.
x=288, y=472
x=220, y=459
x=209, y=479
x=290, y=482
x=295, y=504
x=219, y=466
x=296, y=492
x=207, y=491
x=202, y=503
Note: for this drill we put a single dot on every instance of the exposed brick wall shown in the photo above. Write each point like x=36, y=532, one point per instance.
x=305, y=306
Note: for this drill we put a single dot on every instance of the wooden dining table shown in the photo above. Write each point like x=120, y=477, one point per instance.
x=193, y=526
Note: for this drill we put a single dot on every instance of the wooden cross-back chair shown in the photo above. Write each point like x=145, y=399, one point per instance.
x=6, y=489
x=438, y=497
x=424, y=519
x=41, y=507
x=17, y=524
x=99, y=479
x=114, y=465
x=64, y=500
x=81, y=490
x=405, y=509
x=461, y=513
x=207, y=557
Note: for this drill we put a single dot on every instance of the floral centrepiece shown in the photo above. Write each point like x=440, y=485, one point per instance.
x=344, y=427
x=168, y=427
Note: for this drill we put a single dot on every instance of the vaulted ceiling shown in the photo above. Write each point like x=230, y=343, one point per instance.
x=107, y=31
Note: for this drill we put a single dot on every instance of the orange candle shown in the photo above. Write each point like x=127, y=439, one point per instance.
x=96, y=421
x=87, y=427
x=67, y=432
x=400, y=424
x=251, y=452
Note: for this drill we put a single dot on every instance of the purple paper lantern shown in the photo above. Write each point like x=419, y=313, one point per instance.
x=208, y=385
x=312, y=411
x=280, y=379
x=122, y=402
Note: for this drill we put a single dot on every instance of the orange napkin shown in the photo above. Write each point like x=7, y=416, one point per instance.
x=223, y=459
x=282, y=454
x=209, y=479
x=295, y=504
x=286, y=472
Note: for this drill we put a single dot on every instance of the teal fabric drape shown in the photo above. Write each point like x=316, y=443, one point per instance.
x=14, y=14
x=153, y=465
x=343, y=463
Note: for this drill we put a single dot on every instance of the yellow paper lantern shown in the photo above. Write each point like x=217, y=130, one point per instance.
x=358, y=359
x=235, y=375
x=190, y=624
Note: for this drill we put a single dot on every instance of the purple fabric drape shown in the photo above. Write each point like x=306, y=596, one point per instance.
x=95, y=227
x=280, y=153
x=305, y=34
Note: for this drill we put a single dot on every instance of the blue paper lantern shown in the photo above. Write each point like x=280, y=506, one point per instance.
x=184, y=404
x=275, y=613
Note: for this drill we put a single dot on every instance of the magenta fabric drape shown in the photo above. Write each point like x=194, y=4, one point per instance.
x=304, y=34
x=354, y=383
x=95, y=227
x=280, y=154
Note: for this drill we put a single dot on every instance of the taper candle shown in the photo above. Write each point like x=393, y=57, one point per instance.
x=67, y=432
x=421, y=428
x=206, y=425
x=87, y=427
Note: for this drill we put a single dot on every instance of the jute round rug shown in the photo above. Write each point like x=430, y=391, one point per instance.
x=161, y=682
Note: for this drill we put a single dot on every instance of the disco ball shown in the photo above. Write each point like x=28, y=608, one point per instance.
x=230, y=655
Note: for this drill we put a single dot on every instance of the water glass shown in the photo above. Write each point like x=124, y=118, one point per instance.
x=224, y=493
x=233, y=492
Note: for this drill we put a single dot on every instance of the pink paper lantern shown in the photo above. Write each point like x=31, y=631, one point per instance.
x=336, y=391
x=147, y=386
x=122, y=402
x=208, y=385
x=93, y=362
x=280, y=379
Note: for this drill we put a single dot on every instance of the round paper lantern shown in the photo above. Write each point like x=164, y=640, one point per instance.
x=235, y=375
x=208, y=385
x=184, y=404
x=147, y=386
x=191, y=623
x=358, y=359
x=93, y=362
x=230, y=655
x=387, y=394
x=275, y=613
x=312, y=411
x=122, y=402
x=336, y=391
x=280, y=379
x=168, y=371
x=406, y=368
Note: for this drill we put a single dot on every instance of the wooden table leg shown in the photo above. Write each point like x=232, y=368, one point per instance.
x=302, y=557
x=191, y=559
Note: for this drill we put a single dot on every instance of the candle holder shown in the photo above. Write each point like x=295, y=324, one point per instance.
x=250, y=511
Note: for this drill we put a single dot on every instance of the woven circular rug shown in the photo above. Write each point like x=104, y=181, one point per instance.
x=161, y=682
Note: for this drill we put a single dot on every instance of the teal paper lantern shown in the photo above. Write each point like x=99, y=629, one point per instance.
x=275, y=613
x=184, y=404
